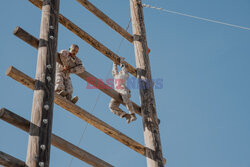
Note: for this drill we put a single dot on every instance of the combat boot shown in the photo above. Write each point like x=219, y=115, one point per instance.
x=133, y=117
x=74, y=99
x=127, y=116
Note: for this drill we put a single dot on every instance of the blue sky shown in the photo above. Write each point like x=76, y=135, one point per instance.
x=204, y=104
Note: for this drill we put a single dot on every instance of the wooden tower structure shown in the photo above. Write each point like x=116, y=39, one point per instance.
x=39, y=127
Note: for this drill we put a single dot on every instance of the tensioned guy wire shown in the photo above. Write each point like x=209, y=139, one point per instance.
x=195, y=17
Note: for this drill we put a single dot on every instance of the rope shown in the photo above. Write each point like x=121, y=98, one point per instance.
x=195, y=17
x=98, y=96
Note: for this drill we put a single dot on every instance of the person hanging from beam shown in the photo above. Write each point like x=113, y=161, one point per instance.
x=69, y=63
x=120, y=79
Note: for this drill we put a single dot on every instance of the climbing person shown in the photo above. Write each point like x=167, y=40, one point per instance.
x=67, y=63
x=120, y=79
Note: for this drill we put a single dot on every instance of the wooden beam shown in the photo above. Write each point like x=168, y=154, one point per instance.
x=106, y=19
x=28, y=38
x=9, y=161
x=80, y=113
x=25, y=36
x=43, y=97
x=148, y=106
x=88, y=38
x=56, y=141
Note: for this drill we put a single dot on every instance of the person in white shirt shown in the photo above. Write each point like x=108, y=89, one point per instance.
x=120, y=79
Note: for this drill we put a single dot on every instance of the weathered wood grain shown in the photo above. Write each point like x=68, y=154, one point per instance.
x=26, y=37
x=88, y=38
x=106, y=19
x=82, y=114
x=148, y=106
x=43, y=97
x=10, y=161
x=31, y=40
x=56, y=141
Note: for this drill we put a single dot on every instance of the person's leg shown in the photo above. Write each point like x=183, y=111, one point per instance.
x=59, y=84
x=70, y=91
x=68, y=88
x=129, y=105
x=114, y=108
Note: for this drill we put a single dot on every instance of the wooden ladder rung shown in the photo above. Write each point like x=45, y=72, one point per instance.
x=81, y=113
x=89, y=39
x=31, y=40
x=56, y=141
x=89, y=6
x=10, y=161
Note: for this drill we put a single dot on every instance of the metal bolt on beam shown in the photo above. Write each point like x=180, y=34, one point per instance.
x=41, y=164
x=43, y=147
x=46, y=107
x=49, y=78
x=49, y=66
x=45, y=121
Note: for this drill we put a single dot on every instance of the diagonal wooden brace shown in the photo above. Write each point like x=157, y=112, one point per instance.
x=31, y=40
x=58, y=142
x=89, y=39
x=10, y=161
x=80, y=113
x=89, y=6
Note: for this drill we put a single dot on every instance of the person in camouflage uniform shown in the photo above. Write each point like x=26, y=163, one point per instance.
x=67, y=63
x=120, y=79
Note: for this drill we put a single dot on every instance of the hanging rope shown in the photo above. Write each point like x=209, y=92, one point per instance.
x=195, y=17
x=99, y=94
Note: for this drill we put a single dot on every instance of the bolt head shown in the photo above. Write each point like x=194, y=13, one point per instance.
x=49, y=78
x=41, y=164
x=49, y=66
x=46, y=107
x=43, y=147
x=45, y=121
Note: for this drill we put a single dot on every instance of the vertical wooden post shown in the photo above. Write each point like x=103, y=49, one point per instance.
x=148, y=107
x=38, y=152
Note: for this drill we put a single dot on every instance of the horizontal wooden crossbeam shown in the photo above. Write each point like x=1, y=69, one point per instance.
x=10, y=161
x=80, y=113
x=88, y=38
x=31, y=40
x=58, y=142
x=89, y=6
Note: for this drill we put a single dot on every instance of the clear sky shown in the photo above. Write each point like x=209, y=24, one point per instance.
x=204, y=103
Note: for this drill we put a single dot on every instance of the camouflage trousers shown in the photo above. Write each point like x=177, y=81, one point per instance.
x=63, y=83
x=114, y=104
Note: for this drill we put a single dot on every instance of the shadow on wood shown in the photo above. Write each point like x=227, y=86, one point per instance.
x=80, y=113
x=58, y=142
x=9, y=161
x=31, y=40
